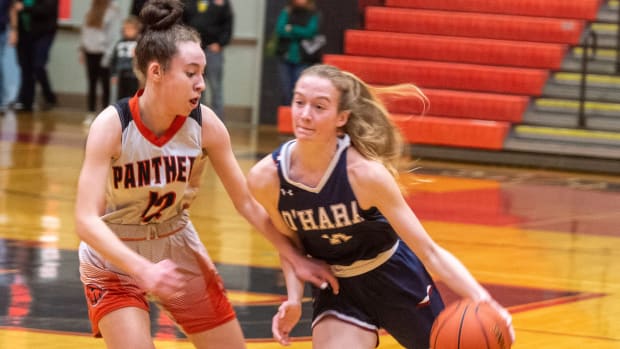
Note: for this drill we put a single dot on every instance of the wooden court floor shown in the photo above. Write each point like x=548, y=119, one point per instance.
x=546, y=244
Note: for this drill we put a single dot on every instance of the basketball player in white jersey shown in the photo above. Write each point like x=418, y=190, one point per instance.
x=333, y=189
x=143, y=161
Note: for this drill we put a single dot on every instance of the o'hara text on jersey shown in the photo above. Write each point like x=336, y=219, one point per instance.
x=324, y=217
x=166, y=169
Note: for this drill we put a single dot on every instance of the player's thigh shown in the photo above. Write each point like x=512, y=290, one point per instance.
x=127, y=328
x=227, y=335
x=332, y=333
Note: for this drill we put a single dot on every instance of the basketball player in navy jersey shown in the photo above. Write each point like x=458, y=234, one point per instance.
x=143, y=161
x=333, y=190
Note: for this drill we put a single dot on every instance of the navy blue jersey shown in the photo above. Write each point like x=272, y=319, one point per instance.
x=327, y=218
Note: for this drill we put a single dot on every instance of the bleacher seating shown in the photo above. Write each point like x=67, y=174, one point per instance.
x=582, y=9
x=476, y=25
x=488, y=67
x=454, y=49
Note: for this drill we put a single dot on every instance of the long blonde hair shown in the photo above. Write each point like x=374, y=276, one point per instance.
x=94, y=16
x=370, y=127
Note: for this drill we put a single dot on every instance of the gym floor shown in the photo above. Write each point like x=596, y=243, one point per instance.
x=546, y=244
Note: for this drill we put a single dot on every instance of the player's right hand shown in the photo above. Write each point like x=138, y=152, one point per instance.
x=316, y=272
x=285, y=319
x=505, y=314
x=162, y=279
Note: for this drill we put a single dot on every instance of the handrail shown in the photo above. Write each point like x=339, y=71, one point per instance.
x=618, y=41
x=584, y=72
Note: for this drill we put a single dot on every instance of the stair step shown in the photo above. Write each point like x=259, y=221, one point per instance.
x=592, y=79
x=569, y=135
x=599, y=88
x=606, y=54
x=597, y=66
x=585, y=152
x=571, y=120
x=564, y=105
x=605, y=28
x=608, y=12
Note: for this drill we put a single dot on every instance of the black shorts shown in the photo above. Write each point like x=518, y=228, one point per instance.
x=398, y=296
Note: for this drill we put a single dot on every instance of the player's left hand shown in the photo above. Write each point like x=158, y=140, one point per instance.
x=285, y=319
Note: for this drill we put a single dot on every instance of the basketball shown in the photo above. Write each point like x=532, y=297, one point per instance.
x=470, y=325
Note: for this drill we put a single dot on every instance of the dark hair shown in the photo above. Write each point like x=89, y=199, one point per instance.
x=310, y=5
x=96, y=13
x=162, y=32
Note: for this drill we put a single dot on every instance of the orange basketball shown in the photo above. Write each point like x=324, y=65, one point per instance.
x=470, y=325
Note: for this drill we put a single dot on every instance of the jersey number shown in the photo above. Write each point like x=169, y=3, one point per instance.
x=157, y=204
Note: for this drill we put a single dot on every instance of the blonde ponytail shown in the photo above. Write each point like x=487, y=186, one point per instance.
x=370, y=127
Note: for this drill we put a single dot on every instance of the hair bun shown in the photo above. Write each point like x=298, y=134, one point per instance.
x=161, y=14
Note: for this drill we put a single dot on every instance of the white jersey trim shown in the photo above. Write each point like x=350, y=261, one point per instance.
x=345, y=318
x=285, y=160
x=365, y=265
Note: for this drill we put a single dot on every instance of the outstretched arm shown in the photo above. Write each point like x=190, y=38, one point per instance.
x=227, y=168
x=369, y=178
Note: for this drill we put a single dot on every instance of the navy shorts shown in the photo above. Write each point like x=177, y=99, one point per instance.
x=398, y=296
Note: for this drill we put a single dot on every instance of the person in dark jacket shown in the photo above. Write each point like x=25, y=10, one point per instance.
x=5, y=31
x=213, y=19
x=121, y=65
x=298, y=22
x=37, y=24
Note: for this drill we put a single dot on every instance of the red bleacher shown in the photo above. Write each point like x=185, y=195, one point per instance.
x=434, y=130
x=479, y=62
x=454, y=49
x=454, y=76
x=463, y=104
x=581, y=9
x=477, y=25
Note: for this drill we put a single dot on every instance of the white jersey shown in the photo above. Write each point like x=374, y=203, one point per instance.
x=154, y=178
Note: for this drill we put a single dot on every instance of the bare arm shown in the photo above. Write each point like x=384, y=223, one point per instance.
x=369, y=178
x=218, y=146
x=264, y=185
x=102, y=146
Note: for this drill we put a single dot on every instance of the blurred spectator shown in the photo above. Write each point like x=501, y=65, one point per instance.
x=5, y=30
x=297, y=28
x=100, y=32
x=213, y=19
x=37, y=25
x=121, y=66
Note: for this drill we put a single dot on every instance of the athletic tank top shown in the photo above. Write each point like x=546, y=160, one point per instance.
x=327, y=218
x=154, y=178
